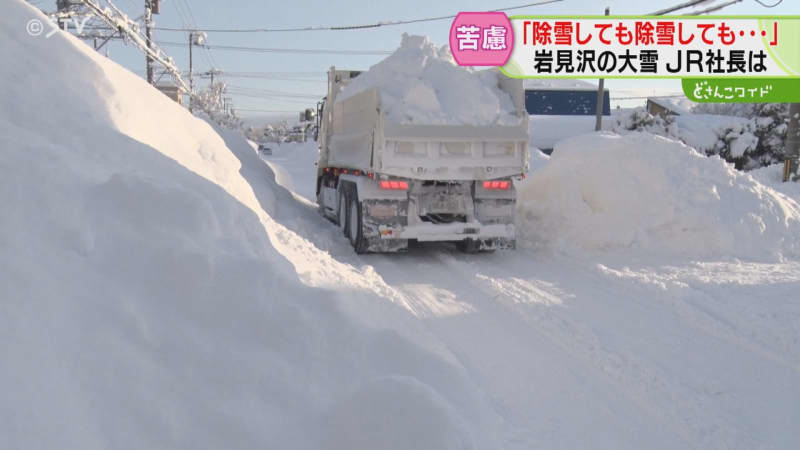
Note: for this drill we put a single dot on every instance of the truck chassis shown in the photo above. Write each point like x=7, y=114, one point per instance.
x=377, y=220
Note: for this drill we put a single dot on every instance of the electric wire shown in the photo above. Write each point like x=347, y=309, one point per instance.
x=349, y=27
x=769, y=6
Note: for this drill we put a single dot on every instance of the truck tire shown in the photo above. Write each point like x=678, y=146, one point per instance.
x=341, y=214
x=355, y=228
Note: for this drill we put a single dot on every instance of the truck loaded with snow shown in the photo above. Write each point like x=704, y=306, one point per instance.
x=418, y=148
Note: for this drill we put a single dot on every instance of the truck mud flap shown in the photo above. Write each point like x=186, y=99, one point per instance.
x=371, y=227
x=378, y=245
x=498, y=244
x=471, y=245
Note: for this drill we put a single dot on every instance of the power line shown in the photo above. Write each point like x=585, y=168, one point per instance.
x=115, y=18
x=209, y=55
x=313, y=98
x=279, y=100
x=302, y=77
x=347, y=27
x=188, y=7
x=303, y=51
x=714, y=8
x=769, y=6
x=677, y=7
x=298, y=80
x=314, y=74
x=642, y=97
x=274, y=96
x=185, y=15
x=272, y=92
x=266, y=110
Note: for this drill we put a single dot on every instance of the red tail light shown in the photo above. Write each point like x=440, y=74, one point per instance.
x=497, y=184
x=394, y=185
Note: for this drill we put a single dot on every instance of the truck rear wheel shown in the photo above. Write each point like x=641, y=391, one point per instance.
x=341, y=219
x=355, y=226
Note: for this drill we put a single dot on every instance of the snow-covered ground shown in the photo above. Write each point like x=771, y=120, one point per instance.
x=638, y=347
x=164, y=286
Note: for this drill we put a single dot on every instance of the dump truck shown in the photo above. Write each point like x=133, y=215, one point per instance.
x=387, y=183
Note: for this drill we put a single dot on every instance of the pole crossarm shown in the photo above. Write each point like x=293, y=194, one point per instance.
x=130, y=29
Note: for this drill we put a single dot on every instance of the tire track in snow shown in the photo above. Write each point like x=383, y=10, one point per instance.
x=694, y=302
x=505, y=285
x=675, y=405
x=339, y=265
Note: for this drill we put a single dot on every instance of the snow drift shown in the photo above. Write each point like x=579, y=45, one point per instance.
x=159, y=289
x=145, y=304
x=605, y=191
x=422, y=84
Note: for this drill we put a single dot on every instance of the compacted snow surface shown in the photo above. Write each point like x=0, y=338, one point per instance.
x=162, y=286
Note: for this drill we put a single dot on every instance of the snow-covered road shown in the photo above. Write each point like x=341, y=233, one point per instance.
x=162, y=286
x=595, y=352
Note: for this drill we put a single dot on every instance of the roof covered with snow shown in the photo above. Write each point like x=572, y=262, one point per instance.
x=670, y=104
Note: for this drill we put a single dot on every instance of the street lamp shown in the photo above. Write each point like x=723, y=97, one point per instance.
x=195, y=38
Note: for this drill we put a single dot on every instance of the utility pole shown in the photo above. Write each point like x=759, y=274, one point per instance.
x=195, y=38
x=598, y=123
x=148, y=29
x=191, y=80
x=792, y=147
x=212, y=72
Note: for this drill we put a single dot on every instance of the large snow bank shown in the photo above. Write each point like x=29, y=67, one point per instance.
x=144, y=302
x=703, y=131
x=605, y=191
x=422, y=84
x=546, y=131
x=736, y=139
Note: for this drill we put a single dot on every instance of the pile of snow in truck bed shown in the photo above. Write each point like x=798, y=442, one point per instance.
x=421, y=84
x=605, y=191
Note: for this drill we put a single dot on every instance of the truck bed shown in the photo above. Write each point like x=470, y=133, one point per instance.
x=360, y=137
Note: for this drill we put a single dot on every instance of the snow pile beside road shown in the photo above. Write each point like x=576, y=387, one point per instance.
x=749, y=142
x=421, y=84
x=605, y=191
x=146, y=302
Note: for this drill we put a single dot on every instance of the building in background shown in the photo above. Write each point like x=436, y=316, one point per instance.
x=561, y=108
x=172, y=92
x=664, y=107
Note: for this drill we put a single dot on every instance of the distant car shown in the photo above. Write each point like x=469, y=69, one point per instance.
x=264, y=150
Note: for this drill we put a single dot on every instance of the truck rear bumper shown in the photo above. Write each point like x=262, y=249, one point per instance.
x=448, y=232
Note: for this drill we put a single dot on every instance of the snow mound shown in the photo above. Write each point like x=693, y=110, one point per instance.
x=149, y=298
x=421, y=84
x=357, y=421
x=604, y=191
x=702, y=131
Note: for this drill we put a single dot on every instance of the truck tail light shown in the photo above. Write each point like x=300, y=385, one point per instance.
x=497, y=184
x=396, y=185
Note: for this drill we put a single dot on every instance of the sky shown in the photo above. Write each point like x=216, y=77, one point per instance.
x=302, y=76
